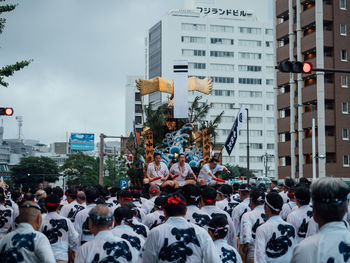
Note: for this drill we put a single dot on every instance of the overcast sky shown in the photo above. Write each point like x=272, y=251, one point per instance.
x=82, y=51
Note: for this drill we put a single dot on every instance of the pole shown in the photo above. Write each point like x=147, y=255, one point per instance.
x=313, y=143
x=114, y=170
x=100, y=177
x=248, y=157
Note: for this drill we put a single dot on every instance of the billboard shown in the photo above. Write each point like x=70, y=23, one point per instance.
x=82, y=141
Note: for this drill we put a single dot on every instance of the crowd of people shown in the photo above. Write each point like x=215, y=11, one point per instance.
x=178, y=217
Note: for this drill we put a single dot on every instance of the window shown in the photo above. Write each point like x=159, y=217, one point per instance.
x=198, y=40
x=346, y=160
x=222, y=79
x=269, y=43
x=269, y=82
x=137, y=96
x=344, y=81
x=270, y=69
x=269, y=107
x=138, y=108
x=249, y=81
x=138, y=120
x=256, y=119
x=249, y=68
x=228, y=159
x=345, y=134
x=343, y=29
x=252, y=107
x=222, y=41
x=221, y=54
x=192, y=27
x=255, y=146
x=226, y=93
x=249, y=43
x=249, y=94
x=252, y=133
x=193, y=65
x=250, y=30
x=270, y=146
x=224, y=29
x=222, y=106
x=343, y=55
x=247, y=55
x=222, y=67
x=193, y=52
x=345, y=107
x=269, y=120
x=342, y=4
x=268, y=31
x=269, y=95
x=269, y=56
x=270, y=133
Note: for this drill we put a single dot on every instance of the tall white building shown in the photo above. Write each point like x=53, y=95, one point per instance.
x=233, y=45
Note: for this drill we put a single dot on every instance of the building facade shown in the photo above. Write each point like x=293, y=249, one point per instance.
x=317, y=32
x=235, y=48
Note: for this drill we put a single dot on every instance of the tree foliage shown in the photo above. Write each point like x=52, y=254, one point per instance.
x=236, y=171
x=9, y=70
x=34, y=170
x=85, y=170
x=117, y=170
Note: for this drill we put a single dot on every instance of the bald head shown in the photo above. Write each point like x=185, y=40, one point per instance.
x=29, y=212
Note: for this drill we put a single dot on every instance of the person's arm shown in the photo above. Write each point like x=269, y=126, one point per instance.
x=73, y=236
x=43, y=249
x=260, y=245
x=245, y=236
x=148, y=173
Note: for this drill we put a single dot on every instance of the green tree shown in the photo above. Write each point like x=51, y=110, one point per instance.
x=34, y=170
x=9, y=70
x=81, y=170
x=117, y=171
x=236, y=171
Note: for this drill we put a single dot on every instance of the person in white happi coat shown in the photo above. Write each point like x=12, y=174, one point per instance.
x=207, y=173
x=71, y=209
x=274, y=241
x=137, y=227
x=154, y=192
x=218, y=229
x=242, y=208
x=192, y=194
x=105, y=247
x=158, y=169
x=125, y=197
x=225, y=200
x=157, y=217
x=250, y=223
x=6, y=217
x=208, y=205
x=178, y=240
x=182, y=170
x=288, y=207
x=59, y=230
x=330, y=197
x=26, y=243
x=10, y=203
x=301, y=216
x=81, y=223
x=123, y=220
x=288, y=183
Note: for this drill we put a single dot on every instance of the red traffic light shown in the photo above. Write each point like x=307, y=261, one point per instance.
x=6, y=111
x=307, y=67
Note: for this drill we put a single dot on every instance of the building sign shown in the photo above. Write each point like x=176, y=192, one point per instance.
x=180, y=89
x=149, y=146
x=82, y=141
x=222, y=11
x=124, y=183
x=206, y=146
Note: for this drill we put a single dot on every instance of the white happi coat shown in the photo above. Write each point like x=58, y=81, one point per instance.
x=154, y=219
x=154, y=172
x=287, y=208
x=197, y=216
x=330, y=245
x=10, y=203
x=106, y=247
x=6, y=219
x=238, y=212
x=179, y=241
x=204, y=172
x=175, y=169
x=227, y=253
x=300, y=218
x=284, y=196
x=61, y=235
x=231, y=234
x=148, y=205
x=26, y=245
x=127, y=233
x=227, y=205
x=70, y=210
x=249, y=224
x=139, y=228
x=274, y=241
x=81, y=224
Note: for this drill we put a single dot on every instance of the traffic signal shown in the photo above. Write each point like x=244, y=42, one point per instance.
x=6, y=111
x=294, y=67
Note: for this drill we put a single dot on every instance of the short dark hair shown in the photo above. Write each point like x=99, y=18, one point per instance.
x=160, y=201
x=213, y=159
x=123, y=213
x=302, y=195
x=72, y=193
x=218, y=226
x=28, y=197
x=175, y=205
x=58, y=191
x=257, y=196
x=274, y=202
x=289, y=182
x=156, y=154
x=92, y=195
x=192, y=193
x=209, y=195
x=52, y=202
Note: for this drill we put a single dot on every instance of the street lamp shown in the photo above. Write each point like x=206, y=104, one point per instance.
x=266, y=157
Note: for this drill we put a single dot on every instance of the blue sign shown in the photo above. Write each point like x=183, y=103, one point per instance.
x=124, y=183
x=82, y=141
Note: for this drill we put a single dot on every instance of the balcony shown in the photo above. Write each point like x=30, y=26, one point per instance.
x=284, y=172
x=283, y=100
x=283, y=53
x=283, y=125
x=309, y=42
x=328, y=62
x=329, y=115
x=308, y=16
x=307, y=169
x=282, y=30
x=281, y=7
x=282, y=78
x=309, y=93
x=284, y=149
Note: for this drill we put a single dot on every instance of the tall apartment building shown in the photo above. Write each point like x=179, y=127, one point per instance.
x=133, y=106
x=315, y=31
x=234, y=47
